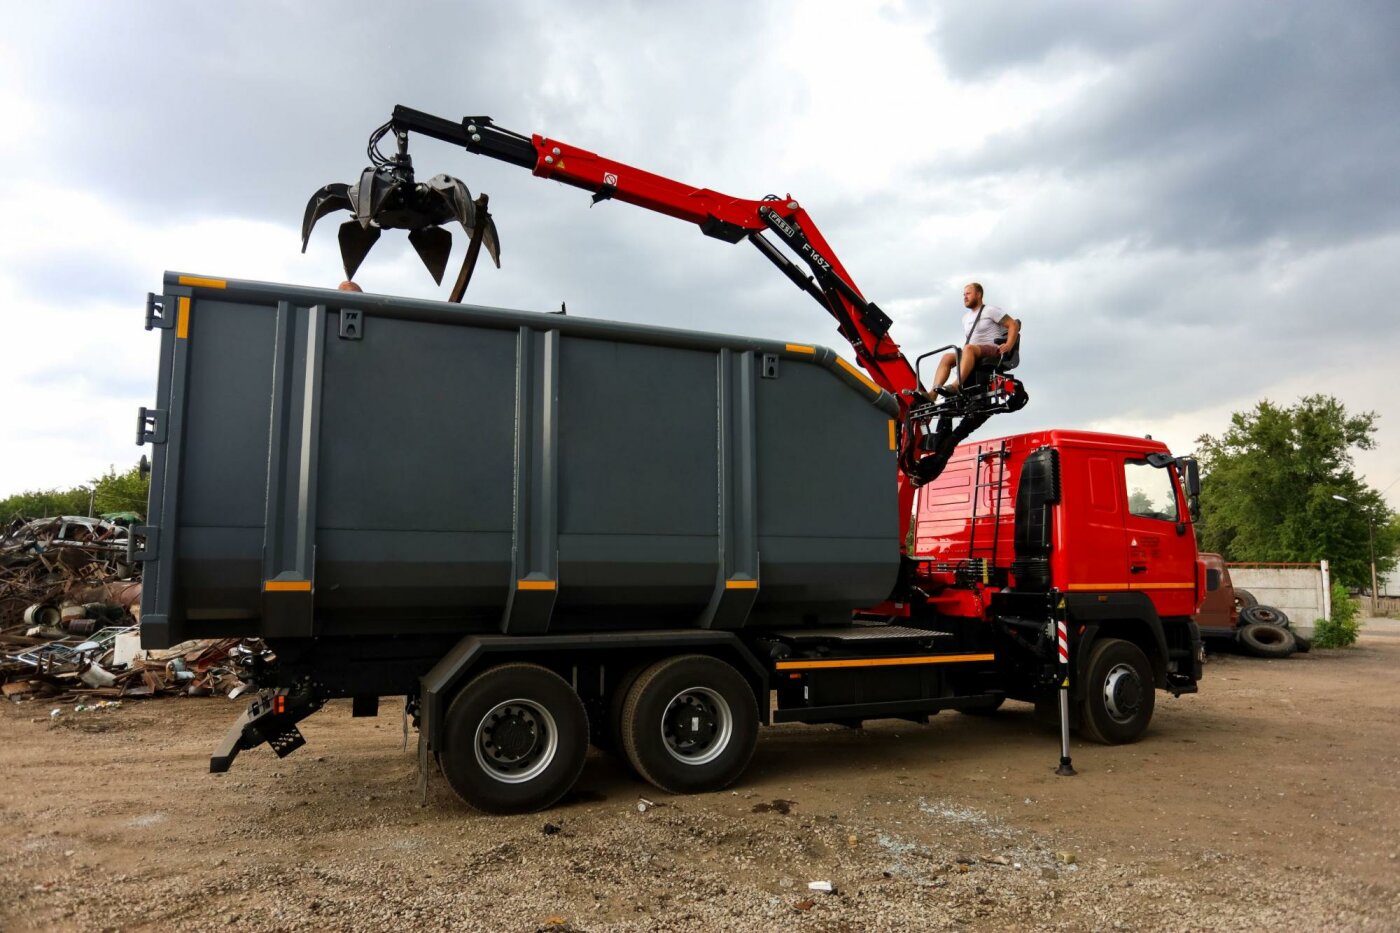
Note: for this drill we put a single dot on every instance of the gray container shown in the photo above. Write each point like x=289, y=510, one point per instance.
x=329, y=463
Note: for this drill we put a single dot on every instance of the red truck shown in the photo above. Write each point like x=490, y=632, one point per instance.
x=1229, y=615
x=1054, y=567
x=1092, y=528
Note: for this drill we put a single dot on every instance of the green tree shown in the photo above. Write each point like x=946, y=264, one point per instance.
x=43, y=503
x=1269, y=483
x=122, y=492
x=1140, y=503
x=110, y=492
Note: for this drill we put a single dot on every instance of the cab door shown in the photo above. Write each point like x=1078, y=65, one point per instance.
x=1160, y=547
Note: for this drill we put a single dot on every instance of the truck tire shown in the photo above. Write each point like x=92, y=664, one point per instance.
x=606, y=728
x=1244, y=599
x=1119, y=693
x=1267, y=641
x=1264, y=615
x=690, y=724
x=514, y=739
x=1302, y=642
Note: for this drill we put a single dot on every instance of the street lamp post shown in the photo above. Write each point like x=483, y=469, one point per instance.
x=1371, y=538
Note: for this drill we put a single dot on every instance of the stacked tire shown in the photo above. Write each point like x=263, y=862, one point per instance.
x=1267, y=641
x=1264, y=615
x=1266, y=631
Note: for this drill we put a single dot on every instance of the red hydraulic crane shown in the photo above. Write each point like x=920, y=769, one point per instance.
x=386, y=196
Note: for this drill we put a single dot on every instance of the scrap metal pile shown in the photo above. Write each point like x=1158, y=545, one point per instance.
x=70, y=611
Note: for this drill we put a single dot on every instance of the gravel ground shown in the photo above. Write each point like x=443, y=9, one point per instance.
x=1266, y=801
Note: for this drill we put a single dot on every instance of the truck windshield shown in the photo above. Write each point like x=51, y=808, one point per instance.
x=1150, y=491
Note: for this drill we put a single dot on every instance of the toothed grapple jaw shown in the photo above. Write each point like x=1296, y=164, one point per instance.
x=387, y=197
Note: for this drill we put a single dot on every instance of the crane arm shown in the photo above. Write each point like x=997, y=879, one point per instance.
x=717, y=215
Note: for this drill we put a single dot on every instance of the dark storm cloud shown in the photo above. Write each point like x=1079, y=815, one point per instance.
x=178, y=113
x=245, y=109
x=1218, y=126
x=212, y=107
x=983, y=39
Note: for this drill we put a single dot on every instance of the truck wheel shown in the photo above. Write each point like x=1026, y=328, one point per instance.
x=1244, y=599
x=690, y=724
x=1267, y=641
x=1119, y=692
x=1264, y=615
x=515, y=739
x=1302, y=643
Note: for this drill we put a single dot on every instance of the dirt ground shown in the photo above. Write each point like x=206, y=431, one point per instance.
x=1269, y=800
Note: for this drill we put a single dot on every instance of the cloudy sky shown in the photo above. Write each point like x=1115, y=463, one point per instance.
x=1191, y=206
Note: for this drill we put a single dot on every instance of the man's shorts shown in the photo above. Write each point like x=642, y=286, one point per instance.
x=985, y=350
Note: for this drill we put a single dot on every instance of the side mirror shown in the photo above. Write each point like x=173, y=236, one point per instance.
x=1212, y=580
x=1190, y=472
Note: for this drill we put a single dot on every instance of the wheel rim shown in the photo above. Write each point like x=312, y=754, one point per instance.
x=1122, y=693
x=697, y=726
x=515, y=741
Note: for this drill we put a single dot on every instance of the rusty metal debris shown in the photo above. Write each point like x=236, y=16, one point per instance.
x=44, y=563
x=70, y=611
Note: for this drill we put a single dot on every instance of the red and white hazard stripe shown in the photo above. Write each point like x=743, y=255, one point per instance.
x=1062, y=635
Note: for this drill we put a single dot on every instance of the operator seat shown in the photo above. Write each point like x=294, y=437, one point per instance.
x=985, y=368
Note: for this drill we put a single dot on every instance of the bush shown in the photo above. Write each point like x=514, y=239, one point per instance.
x=1341, y=630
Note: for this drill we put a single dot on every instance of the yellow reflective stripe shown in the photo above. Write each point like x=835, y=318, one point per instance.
x=859, y=375
x=287, y=586
x=884, y=662
x=182, y=318
x=801, y=348
x=741, y=584
x=892, y=435
x=202, y=282
x=536, y=584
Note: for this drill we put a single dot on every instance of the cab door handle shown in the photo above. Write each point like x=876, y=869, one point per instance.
x=1137, y=568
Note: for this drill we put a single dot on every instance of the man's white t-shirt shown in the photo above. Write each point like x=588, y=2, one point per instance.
x=987, y=331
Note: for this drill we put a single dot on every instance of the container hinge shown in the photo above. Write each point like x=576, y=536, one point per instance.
x=352, y=325
x=150, y=426
x=149, y=536
x=155, y=312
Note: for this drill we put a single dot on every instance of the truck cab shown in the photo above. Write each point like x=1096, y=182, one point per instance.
x=1095, y=529
x=1219, y=613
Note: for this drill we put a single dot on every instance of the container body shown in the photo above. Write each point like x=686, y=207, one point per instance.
x=334, y=464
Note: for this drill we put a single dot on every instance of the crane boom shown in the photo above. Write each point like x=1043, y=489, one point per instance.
x=718, y=215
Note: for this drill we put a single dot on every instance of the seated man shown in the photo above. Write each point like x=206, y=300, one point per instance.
x=983, y=326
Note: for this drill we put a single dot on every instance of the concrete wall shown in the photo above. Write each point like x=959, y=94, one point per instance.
x=1300, y=591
